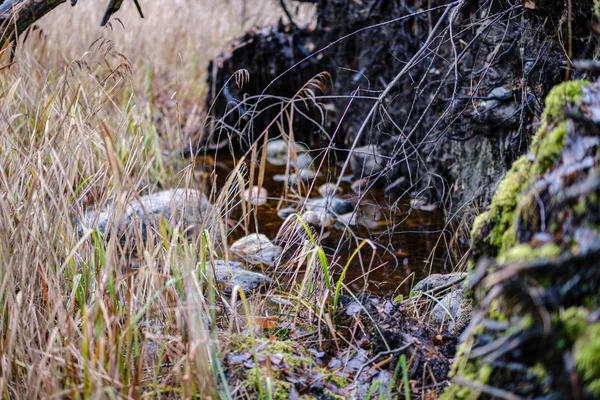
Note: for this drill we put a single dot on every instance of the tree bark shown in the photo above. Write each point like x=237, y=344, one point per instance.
x=17, y=15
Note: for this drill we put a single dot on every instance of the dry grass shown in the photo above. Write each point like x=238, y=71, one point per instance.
x=90, y=116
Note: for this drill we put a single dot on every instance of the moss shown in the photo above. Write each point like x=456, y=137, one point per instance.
x=286, y=349
x=572, y=323
x=580, y=208
x=339, y=381
x=525, y=253
x=546, y=148
x=586, y=353
x=480, y=222
x=474, y=372
x=559, y=98
x=504, y=201
x=239, y=344
x=550, y=145
x=260, y=376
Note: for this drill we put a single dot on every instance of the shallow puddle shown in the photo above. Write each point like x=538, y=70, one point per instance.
x=409, y=242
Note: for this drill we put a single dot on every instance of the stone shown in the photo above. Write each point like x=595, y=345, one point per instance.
x=256, y=248
x=437, y=280
x=360, y=186
x=292, y=177
x=329, y=189
x=277, y=151
x=257, y=195
x=367, y=160
x=231, y=274
x=286, y=212
x=454, y=305
x=419, y=204
x=187, y=208
x=302, y=161
x=321, y=219
x=331, y=205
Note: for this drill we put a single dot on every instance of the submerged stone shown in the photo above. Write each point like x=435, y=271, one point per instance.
x=257, y=195
x=278, y=151
x=329, y=189
x=367, y=160
x=331, y=205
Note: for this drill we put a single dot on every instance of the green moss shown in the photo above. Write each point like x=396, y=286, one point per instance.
x=480, y=222
x=339, y=381
x=586, y=353
x=559, y=98
x=549, y=147
x=474, y=372
x=269, y=382
x=580, y=207
x=239, y=344
x=504, y=201
x=525, y=253
x=572, y=322
x=546, y=148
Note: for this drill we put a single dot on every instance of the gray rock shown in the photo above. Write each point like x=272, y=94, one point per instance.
x=452, y=312
x=318, y=218
x=437, y=280
x=329, y=189
x=277, y=151
x=286, y=212
x=367, y=160
x=331, y=205
x=231, y=274
x=292, y=177
x=256, y=248
x=187, y=208
x=302, y=161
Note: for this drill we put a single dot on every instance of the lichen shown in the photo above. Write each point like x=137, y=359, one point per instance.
x=586, y=353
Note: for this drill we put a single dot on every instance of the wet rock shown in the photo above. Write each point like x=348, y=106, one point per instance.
x=367, y=160
x=331, y=205
x=231, y=274
x=318, y=218
x=256, y=248
x=329, y=189
x=452, y=312
x=292, y=177
x=187, y=208
x=348, y=218
x=257, y=195
x=360, y=186
x=277, y=151
x=419, y=204
x=285, y=212
x=437, y=280
x=302, y=161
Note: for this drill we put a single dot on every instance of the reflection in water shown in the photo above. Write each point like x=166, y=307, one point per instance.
x=409, y=242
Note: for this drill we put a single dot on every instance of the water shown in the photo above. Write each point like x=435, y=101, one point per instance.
x=409, y=242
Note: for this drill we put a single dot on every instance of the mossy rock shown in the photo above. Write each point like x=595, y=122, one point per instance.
x=538, y=289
